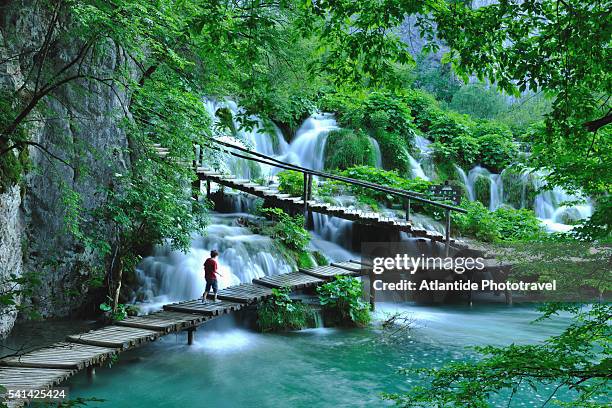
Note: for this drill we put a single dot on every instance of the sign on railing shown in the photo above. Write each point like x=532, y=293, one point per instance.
x=446, y=192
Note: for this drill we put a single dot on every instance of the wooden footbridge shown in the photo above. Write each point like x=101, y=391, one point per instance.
x=306, y=203
x=49, y=366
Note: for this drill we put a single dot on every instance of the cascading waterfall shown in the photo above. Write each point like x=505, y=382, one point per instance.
x=548, y=204
x=415, y=168
x=308, y=147
x=549, y=207
x=169, y=275
x=377, y=153
x=424, y=166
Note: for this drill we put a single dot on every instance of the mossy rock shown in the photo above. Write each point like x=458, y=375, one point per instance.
x=12, y=168
x=482, y=190
x=305, y=259
x=346, y=148
x=519, y=190
x=320, y=258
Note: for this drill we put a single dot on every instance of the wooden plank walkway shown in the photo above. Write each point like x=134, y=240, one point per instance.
x=31, y=378
x=61, y=355
x=208, y=309
x=245, y=293
x=363, y=217
x=327, y=272
x=293, y=280
x=165, y=321
x=115, y=336
x=49, y=366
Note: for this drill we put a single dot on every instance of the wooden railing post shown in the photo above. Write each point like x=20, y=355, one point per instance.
x=196, y=159
x=447, y=231
x=408, y=211
x=305, y=198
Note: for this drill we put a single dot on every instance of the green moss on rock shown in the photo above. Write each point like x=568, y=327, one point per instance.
x=347, y=148
x=482, y=190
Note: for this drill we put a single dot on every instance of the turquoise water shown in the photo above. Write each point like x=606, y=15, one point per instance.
x=233, y=367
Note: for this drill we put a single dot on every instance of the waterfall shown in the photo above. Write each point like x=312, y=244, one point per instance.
x=377, y=153
x=308, y=147
x=496, y=189
x=424, y=166
x=333, y=229
x=549, y=207
x=415, y=168
x=548, y=204
x=169, y=275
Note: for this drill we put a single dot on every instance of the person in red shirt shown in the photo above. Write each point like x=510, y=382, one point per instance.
x=210, y=274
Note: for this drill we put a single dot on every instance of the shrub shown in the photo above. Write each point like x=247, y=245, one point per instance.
x=287, y=229
x=291, y=182
x=393, y=151
x=341, y=299
x=397, y=118
x=453, y=139
x=279, y=312
x=496, y=151
x=386, y=178
x=346, y=148
x=519, y=189
x=423, y=107
x=482, y=189
x=320, y=258
x=503, y=224
x=478, y=101
x=305, y=259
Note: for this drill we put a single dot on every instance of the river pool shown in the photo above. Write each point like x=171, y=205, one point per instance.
x=230, y=366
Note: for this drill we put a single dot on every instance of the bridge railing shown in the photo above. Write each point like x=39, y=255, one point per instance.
x=234, y=150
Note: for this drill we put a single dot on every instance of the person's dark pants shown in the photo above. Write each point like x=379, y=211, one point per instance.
x=211, y=283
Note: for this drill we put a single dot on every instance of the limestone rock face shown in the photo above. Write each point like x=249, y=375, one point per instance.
x=81, y=124
x=11, y=235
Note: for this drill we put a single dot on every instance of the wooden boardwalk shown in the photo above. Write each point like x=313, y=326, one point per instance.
x=362, y=217
x=49, y=366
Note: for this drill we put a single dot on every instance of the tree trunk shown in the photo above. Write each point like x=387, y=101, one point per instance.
x=118, y=284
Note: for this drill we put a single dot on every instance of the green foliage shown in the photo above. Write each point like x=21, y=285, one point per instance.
x=117, y=313
x=287, y=229
x=346, y=148
x=521, y=47
x=386, y=178
x=279, y=312
x=503, y=224
x=393, y=151
x=291, y=182
x=385, y=112
x=453, y=139
x=342, y=299
x=519, y=190
x=305, y=260
x=437, y=79
x=424, y=107
x=384, y=116
x=482, y=189
x=320, y=258
x=478, y=101
x=358, y=43
x=13, y=289
x=497, y=148
x=11, y=171
x=576, y=360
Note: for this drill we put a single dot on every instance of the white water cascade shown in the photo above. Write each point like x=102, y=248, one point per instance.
x=423, y=167
x=548, y=205
x=308, y=147
x=169, y=275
